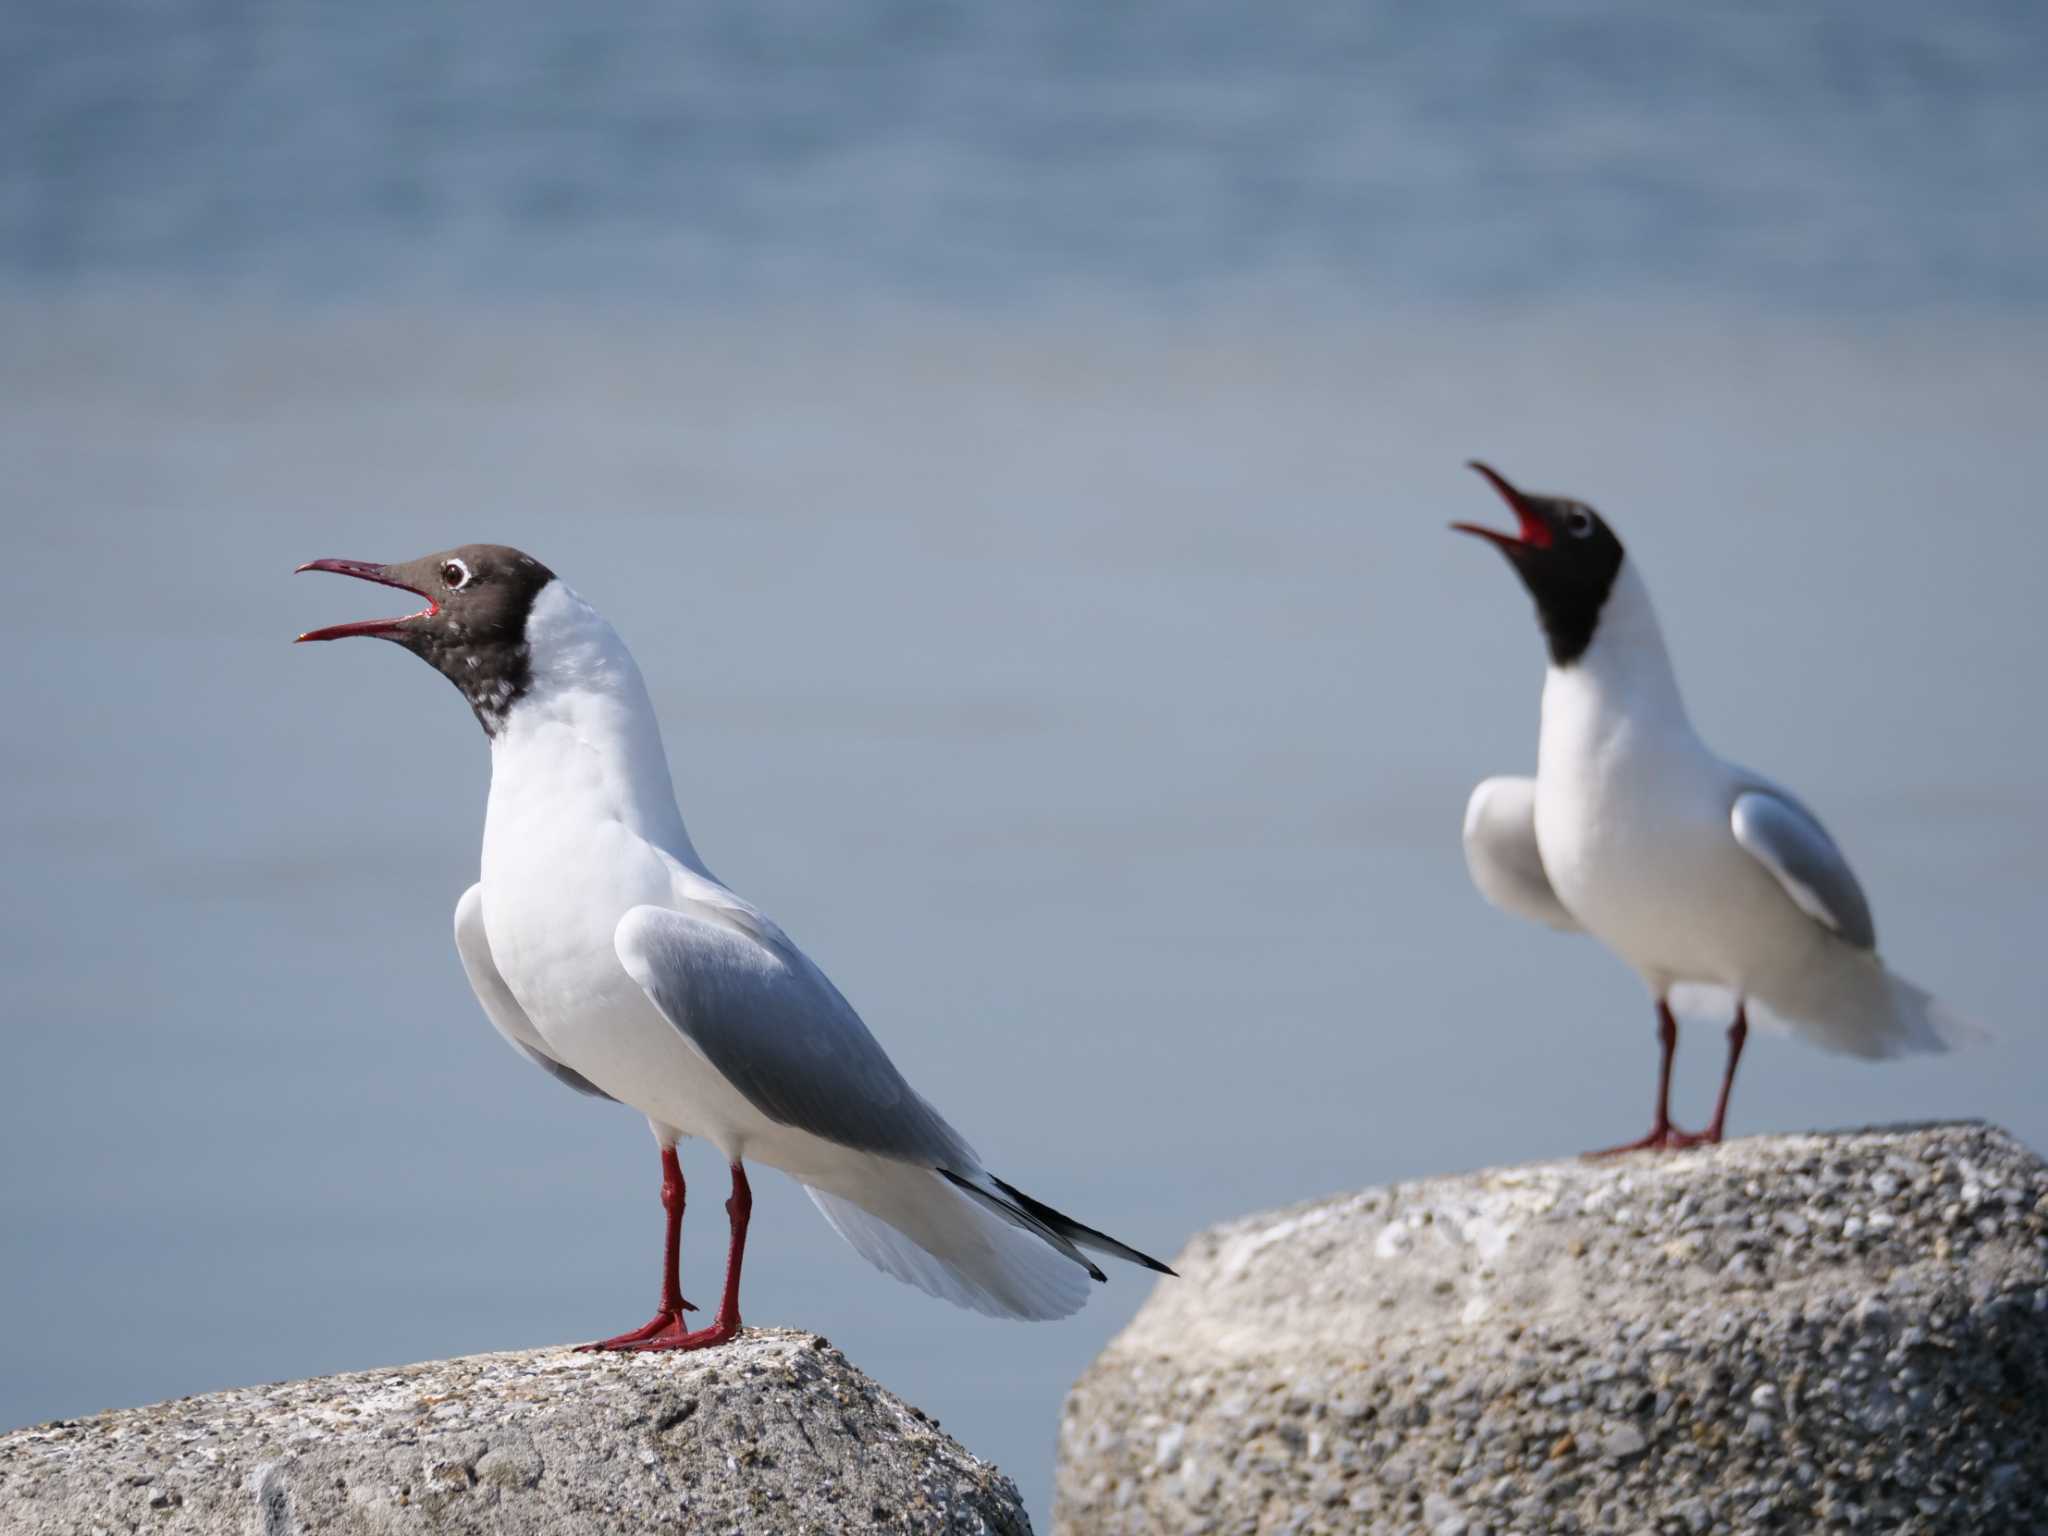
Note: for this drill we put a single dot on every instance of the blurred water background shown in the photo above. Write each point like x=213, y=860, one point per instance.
x=1016, y=442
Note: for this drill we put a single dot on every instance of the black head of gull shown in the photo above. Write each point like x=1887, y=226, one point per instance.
x=473, y=629
x=1567, y=557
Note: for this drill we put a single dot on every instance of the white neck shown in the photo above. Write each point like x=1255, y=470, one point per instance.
x=587, y=725
x=1624, y=674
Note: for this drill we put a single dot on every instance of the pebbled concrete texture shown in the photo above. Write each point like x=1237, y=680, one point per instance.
x=1818, y=1333
x=776, y=1432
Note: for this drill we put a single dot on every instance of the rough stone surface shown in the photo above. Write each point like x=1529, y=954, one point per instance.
x=1837, y=1333
x=773, y=1433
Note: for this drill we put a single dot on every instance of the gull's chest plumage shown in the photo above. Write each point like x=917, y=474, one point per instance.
x=1624, y=836
x=561, y=866
x=581, y=829
x=1632, y=825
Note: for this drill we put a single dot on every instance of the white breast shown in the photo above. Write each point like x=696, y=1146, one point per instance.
x=581, y=827
x=1632, y=811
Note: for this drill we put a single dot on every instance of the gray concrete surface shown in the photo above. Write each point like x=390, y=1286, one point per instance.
x=774, y=1433
x=1842, y=1332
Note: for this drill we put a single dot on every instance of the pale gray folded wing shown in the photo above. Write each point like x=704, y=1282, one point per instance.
x=500, y=1006
x=775, y=1028
x=1501, y=852
x=1789, y=841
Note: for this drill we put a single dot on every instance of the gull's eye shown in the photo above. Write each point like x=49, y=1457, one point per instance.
x=454, y=575
x=1578, y=522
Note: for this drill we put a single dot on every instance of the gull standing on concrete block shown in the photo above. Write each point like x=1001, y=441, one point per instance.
x=1691, y=869
x=608, y=955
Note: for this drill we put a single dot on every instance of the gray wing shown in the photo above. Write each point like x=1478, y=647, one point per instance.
x=771, y=1024
x=1789, y=841
x=1501, y=852
x=500, y=1006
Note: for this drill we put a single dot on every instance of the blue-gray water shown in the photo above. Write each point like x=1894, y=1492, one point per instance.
x=1017, y=446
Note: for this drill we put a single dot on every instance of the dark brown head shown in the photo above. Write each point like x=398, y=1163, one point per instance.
x=1566, y=556
x=473, y=629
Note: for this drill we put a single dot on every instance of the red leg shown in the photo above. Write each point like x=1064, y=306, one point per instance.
x=1663, y=1134
x=726, y=1325
x=1738, y=1032
x=672, y=1304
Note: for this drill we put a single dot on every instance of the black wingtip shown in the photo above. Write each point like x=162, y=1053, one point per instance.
x=1075, y=1232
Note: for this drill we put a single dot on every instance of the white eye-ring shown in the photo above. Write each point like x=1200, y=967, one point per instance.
x=1578, y=522
x=454, y=575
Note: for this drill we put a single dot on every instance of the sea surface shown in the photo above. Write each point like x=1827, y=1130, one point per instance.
x=1017, y=445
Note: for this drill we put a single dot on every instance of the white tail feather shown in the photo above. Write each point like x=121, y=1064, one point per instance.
x=1856, y=1006
x=910, y=1223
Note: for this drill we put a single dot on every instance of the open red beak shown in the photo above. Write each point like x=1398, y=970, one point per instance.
x=366, y=570
x=1535, y=533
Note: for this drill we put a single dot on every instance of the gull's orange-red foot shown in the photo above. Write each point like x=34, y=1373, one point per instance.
x=660, y=1323
x=1663, y=1138
x=721, y=1332
x=1710, y=1137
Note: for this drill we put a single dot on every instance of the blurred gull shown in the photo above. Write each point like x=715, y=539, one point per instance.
x=1691, y=869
